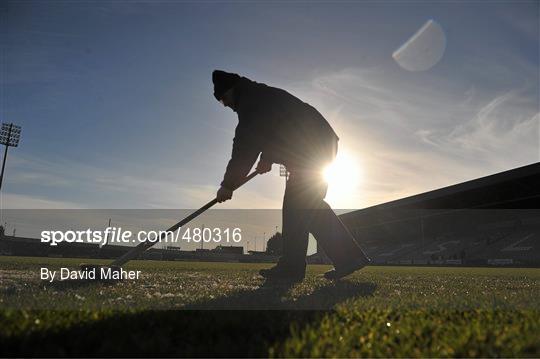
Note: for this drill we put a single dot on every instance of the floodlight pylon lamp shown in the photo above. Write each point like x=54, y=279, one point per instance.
x=10, y=135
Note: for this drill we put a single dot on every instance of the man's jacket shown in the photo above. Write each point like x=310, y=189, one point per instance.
x=280, y=127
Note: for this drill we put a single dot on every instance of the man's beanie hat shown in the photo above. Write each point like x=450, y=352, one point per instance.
x=223, y=81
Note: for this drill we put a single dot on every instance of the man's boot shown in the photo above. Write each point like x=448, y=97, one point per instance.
x=281, y=273
x=344, y=270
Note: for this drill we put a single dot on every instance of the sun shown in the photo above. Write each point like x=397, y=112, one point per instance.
x=343, y=177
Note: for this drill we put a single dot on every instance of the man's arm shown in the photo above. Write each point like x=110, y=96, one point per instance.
x=244, y=154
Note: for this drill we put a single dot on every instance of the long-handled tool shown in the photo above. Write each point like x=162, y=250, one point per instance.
x=114, y=267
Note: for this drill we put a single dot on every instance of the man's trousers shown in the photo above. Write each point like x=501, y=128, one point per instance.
x=304, y=212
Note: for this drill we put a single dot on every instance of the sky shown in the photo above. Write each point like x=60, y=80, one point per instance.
x=116, y=107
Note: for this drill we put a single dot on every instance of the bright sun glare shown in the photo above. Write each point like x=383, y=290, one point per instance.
x=343, y=177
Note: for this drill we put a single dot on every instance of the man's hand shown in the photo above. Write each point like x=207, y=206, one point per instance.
x=264, y=166
x=223, y=194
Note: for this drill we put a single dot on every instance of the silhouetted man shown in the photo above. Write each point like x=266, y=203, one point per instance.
x=285, y=130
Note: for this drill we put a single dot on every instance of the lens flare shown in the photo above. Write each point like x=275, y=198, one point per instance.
x=424, y=49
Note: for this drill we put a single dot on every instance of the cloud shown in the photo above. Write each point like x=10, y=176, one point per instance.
x=20, y=201
x=414, y=133
x=68, y=184
x=504, y=130
x=409, y=135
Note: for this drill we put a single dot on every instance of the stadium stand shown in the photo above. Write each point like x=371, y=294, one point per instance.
x=493, y=220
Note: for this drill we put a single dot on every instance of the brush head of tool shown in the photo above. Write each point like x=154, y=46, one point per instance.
x=101, y=272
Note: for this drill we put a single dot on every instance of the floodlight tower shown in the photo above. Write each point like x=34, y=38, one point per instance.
x=10, y=135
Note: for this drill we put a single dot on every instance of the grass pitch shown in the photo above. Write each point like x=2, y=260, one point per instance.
x=220, y=309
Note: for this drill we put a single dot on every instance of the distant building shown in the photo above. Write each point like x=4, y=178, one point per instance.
x=229, y=249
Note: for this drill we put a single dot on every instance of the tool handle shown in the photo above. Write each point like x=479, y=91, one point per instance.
x=143, y=246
